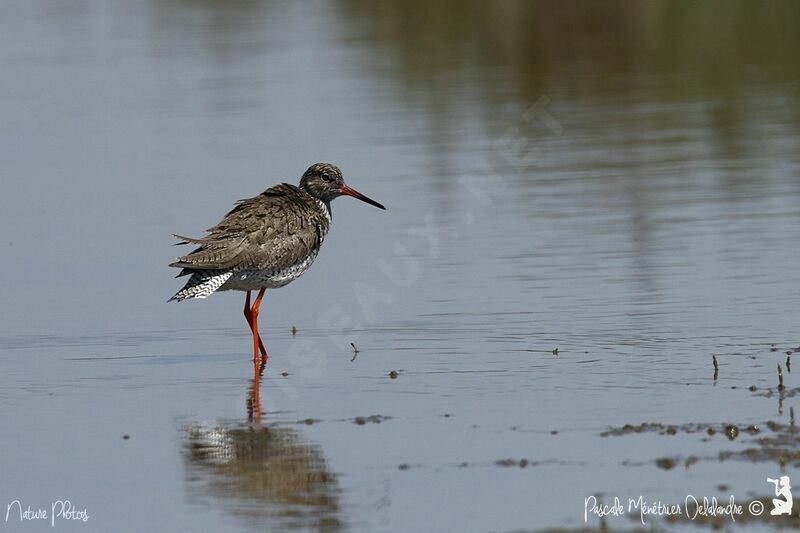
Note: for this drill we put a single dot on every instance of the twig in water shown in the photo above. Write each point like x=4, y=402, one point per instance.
x=716, y=366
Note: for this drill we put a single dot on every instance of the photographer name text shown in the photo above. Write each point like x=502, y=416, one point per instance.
x=692, y=508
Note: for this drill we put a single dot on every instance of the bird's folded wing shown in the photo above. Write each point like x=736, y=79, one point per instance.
x=214, y=255
x=273, y=230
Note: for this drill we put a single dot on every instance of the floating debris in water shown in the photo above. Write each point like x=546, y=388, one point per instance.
x=752, y=388
x=393, y=374
x=522, y=463
x=784, y=393
x=555, y=351
x=294, y=331
x=780, y=445
x=403, y=466
x=284, y=374
x=774, y=443
x=630, y=428
x=661, y=429
x=126, y=437
x=773, y=348
x=374, y=419
x=666, y=463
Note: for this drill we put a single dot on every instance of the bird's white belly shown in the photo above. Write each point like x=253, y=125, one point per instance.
x=249, y=280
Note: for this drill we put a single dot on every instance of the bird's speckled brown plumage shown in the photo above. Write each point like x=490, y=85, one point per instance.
x=266, y=241
x=277, y=229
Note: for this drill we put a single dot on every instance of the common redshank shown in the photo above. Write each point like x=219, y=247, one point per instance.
x=264, y=242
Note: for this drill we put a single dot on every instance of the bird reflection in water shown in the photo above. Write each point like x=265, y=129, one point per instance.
x=262, y=473
x=254, y=412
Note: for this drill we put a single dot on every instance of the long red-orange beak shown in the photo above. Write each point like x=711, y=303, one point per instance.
x=348, y=191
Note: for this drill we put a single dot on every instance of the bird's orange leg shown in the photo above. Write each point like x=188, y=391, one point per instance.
x=254, y=318
x=248, y=315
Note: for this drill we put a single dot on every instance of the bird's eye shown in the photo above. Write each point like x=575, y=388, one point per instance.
x=326, y=176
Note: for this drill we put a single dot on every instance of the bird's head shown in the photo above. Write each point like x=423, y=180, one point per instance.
x=325, y=182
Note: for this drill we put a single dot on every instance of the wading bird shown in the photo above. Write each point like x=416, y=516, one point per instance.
x=264, y=242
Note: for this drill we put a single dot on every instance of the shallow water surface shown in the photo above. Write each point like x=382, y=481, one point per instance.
x=583, y=205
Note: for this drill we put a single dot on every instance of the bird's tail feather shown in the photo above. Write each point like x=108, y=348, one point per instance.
x=202, y=284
